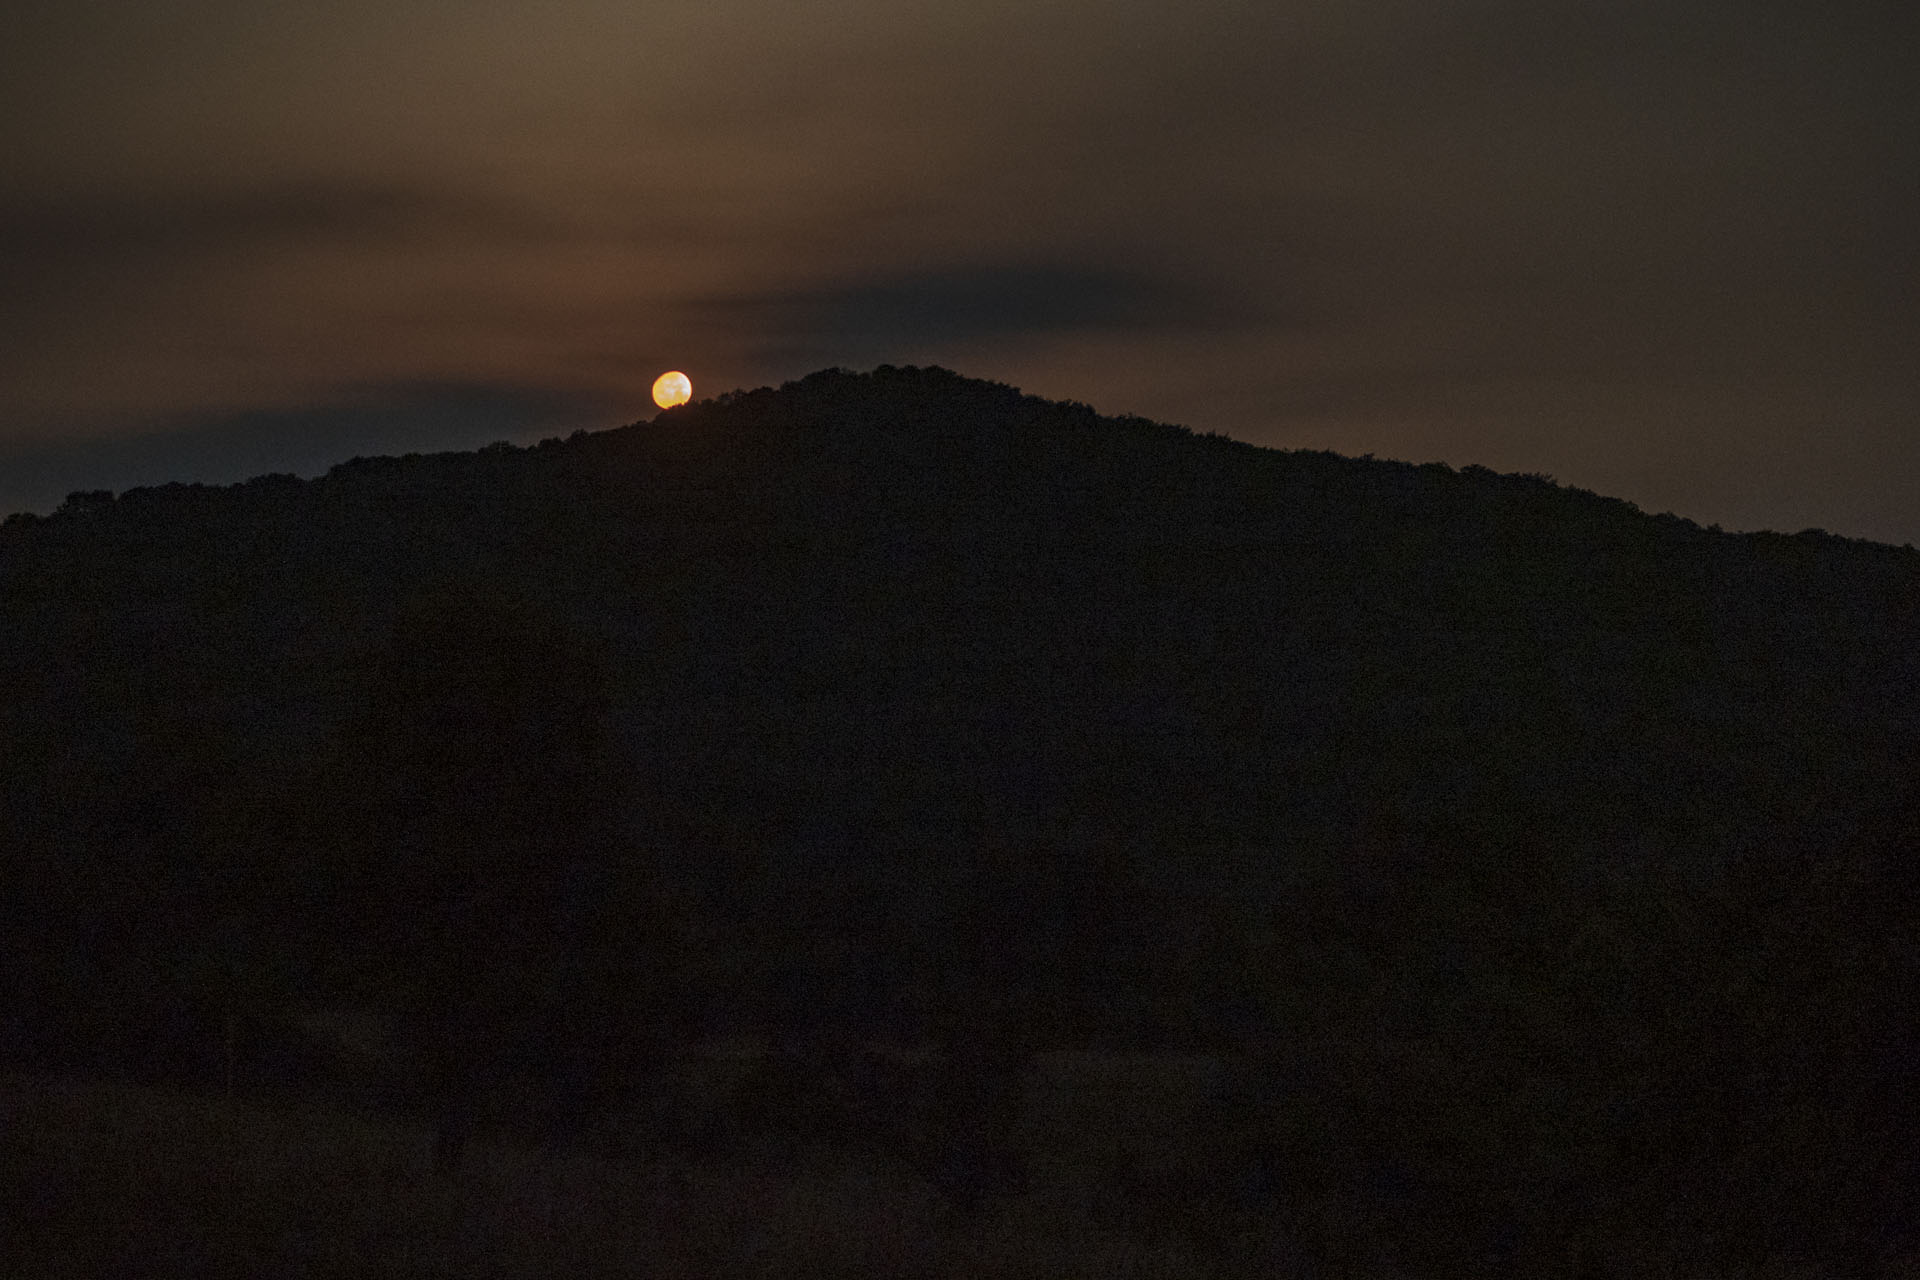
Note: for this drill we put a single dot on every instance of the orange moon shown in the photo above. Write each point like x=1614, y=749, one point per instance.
x=670, y=389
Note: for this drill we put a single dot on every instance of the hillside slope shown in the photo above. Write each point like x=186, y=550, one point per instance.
x=1541, y=851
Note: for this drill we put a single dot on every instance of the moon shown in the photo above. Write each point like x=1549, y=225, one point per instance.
x=670, y=389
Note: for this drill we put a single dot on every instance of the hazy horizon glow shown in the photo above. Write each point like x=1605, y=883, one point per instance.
x=1662, y=251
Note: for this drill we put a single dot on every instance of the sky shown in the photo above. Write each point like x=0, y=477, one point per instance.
x=1668, y=250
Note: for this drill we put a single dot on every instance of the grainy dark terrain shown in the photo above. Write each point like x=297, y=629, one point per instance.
x=1531, y=877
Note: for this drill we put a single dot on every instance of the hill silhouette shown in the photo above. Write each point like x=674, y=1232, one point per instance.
x=1541, y=868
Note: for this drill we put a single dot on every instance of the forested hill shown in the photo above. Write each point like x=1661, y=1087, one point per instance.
x=864, y=585
x=907, y=700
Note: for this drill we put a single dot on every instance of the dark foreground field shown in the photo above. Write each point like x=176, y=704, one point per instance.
x=113, y=1179
x=102, y=1179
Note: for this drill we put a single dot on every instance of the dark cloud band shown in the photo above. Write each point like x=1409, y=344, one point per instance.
x=964, y=304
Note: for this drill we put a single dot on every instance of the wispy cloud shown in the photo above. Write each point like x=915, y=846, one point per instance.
x=127, y=229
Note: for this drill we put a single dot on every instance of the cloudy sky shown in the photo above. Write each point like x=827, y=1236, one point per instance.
x=1664, y=249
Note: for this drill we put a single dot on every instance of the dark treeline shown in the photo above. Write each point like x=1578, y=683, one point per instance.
x=1544, y=867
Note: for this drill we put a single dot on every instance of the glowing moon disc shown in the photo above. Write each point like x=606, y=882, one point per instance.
x=670, y=389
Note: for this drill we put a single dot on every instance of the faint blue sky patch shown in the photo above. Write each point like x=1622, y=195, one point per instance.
x=227, y=448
